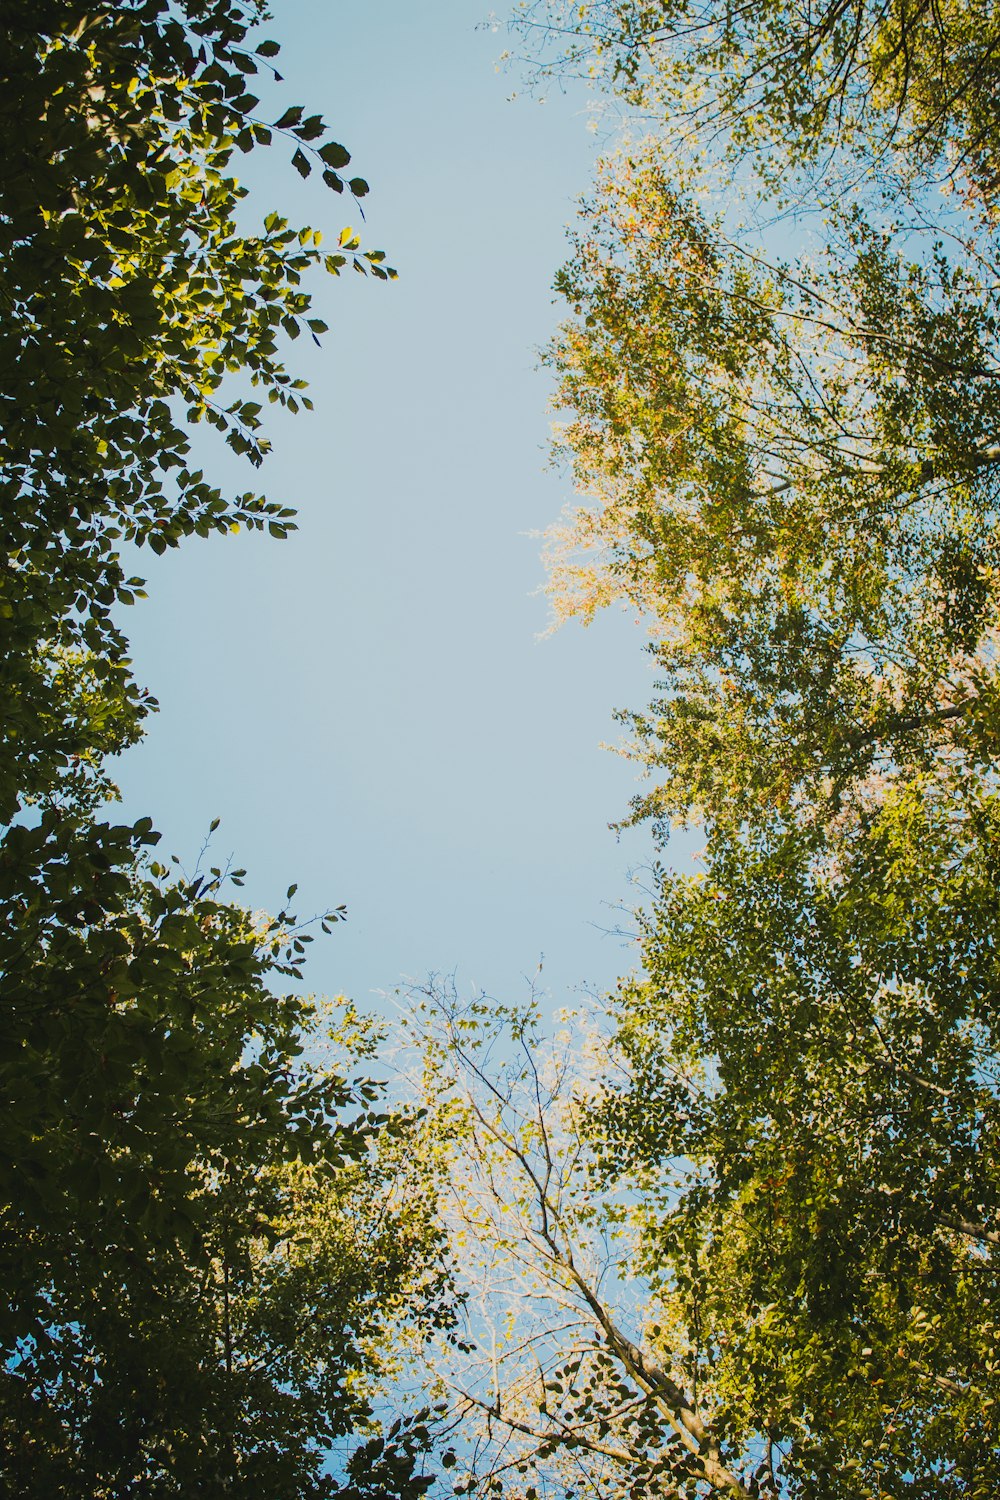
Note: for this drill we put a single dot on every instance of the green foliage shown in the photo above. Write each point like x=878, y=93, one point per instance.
x=129, y=295
x=789, y=462
x=812, y=1110
x=129, y=1003
x=232, y=1269
x=796, y=482
x=215, y=1247
x=908, y=83
x=744, y=1240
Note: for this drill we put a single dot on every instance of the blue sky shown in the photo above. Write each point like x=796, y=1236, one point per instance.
x=367, y=706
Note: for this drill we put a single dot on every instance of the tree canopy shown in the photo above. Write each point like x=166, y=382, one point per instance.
x=794, y=479
x=214, y=1245
x=906, y=83
x=780, y=372
x=738, y=1232
x=130, y=293
x=738, y=1235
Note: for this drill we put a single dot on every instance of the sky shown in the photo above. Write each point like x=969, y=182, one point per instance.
x=371, y=707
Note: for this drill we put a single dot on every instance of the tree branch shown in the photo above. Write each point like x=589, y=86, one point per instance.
x=972, y=1230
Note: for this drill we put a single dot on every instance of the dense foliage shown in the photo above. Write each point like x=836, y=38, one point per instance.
x=129, y=295
x=743, y=1238
x=213, y=1245
x=792, y=471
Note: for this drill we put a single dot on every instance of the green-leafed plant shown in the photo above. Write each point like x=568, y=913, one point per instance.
x=215, y=1249
x=743, y=1239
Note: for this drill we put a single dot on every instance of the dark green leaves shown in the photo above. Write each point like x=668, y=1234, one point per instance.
x=179, y=1189
x=334, y=155
x=311, y=128
x=291, y=117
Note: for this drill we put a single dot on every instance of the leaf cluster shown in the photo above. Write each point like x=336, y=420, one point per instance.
x=215, y=1246
x=745, y=1238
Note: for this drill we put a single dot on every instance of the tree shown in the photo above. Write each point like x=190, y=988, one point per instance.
x=906, y=83
x=740, y=1236
x=816, y=1037
x=796, y=482
x=200, y=1295
x=211, y=1238
x=216, y=1292
x=566, y=1385
x=744, y=1238
x=130, y=295
x=742, y=419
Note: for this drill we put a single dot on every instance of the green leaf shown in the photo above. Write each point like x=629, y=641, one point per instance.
x=334, y=155
x=311, y=128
